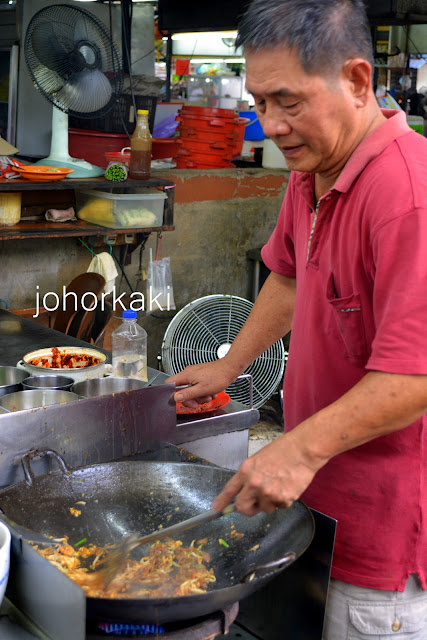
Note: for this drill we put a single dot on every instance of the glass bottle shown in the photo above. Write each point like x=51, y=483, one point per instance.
x=140, y=148
x=130, y=348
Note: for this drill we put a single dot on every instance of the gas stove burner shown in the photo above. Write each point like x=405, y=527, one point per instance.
x=204, y=628
x=130, y=630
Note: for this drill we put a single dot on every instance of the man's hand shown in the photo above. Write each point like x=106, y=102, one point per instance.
x=204, y=382
x=275, y=476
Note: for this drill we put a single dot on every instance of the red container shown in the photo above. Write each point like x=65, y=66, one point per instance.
x=164, y=148
x=207, y=122
x=117, y=156
x=184, y=163
x=92, y=145
x=208, y=111
x=208, y=135
x=203, y=157
x=240, y=136
x=221, y=149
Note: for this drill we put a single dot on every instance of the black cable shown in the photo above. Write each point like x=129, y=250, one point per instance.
x=118, y=104
x=122, y=270
x=126, y=46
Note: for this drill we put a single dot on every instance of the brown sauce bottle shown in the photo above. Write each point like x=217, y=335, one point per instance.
x=140, y=148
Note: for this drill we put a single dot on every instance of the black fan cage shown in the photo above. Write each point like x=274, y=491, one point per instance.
x=73, y=60
x=200, y=332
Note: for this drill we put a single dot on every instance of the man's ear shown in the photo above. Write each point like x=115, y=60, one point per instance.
x=358, y=73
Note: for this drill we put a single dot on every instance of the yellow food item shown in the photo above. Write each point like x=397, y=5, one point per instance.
x=168, y=570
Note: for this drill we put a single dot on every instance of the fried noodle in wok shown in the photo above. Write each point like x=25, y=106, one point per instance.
x=168, y=570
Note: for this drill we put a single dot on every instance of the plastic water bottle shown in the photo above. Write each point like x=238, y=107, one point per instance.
x=130, y=348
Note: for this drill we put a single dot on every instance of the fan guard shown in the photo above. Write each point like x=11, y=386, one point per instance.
x=202, y=332
x=73, y=61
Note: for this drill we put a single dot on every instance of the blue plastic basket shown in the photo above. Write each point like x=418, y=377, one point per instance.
x=253, y=128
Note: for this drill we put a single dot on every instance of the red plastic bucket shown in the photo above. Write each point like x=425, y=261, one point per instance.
x=206, y=122
x=240, y=135
x=219, y=148
x=184, y=163
x=92, y=145
x=204, y=157
x=207, y=134
x=208, y=111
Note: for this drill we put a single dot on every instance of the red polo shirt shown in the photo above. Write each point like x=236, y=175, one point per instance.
x=361, y=304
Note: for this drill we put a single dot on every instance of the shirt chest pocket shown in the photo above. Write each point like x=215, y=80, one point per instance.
x=407, y=621
x=347, y=314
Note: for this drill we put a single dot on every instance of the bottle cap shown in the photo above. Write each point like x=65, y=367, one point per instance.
x=141, y=112
x=129, y=314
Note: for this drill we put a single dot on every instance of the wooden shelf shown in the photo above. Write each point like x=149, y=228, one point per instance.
x=45, y=229
x=37, y=227
x=21, y=184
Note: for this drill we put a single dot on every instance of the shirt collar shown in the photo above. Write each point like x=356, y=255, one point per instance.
x=367, y=150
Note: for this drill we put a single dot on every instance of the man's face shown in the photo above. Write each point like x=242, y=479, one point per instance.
x=309, y=117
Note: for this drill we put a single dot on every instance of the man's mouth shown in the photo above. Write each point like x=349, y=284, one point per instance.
x=289, y=152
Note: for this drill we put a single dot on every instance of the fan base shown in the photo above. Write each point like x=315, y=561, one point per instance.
x=81, y=168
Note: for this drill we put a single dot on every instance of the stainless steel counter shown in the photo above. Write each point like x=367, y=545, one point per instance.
x=98, y=429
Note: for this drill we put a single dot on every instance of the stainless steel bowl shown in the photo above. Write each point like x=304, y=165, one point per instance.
x=62, y=383
x=105, y=386
x=11, y=379
x=31, y=399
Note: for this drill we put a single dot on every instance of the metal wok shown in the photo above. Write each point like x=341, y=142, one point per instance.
x=127, y=497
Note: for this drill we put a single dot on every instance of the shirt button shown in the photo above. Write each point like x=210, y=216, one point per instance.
x=396, y=626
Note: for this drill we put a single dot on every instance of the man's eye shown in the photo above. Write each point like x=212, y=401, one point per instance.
x=291, y=106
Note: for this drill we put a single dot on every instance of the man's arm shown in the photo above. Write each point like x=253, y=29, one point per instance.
x=278, y=474
x=270, y=319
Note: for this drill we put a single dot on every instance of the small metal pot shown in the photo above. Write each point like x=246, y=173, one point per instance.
x=61, y=383
x=11, y=379
x=31, y=399
x=78, y=372
x=105, y=386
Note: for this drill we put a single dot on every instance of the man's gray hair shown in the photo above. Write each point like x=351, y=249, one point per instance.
x=324, y=33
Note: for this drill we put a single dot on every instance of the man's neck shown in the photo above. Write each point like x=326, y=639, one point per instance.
x=323, y=182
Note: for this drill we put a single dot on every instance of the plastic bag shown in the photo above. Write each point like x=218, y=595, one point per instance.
x=117, y=171
x=159, y=285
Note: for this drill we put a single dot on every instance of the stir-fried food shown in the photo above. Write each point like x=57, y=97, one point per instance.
x=168, y=570
x=59, y=360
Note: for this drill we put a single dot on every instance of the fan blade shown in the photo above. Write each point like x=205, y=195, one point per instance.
x=86, y=91
x=51, y=52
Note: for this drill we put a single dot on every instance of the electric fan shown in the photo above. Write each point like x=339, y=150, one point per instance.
x=74, y=63
x=204, y=330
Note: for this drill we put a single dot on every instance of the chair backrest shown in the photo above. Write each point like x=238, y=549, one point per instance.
x=74, y=319
x=101, y=320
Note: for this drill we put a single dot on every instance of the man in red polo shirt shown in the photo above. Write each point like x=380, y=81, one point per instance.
x=349, y=274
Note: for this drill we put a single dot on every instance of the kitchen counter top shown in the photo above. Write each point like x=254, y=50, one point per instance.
x=221, y=437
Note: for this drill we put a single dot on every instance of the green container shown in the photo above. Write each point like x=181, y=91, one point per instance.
x=416, y=123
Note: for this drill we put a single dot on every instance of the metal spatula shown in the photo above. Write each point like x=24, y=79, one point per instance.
x=113, y=563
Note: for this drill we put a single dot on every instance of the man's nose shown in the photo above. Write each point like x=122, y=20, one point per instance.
x=274, y=123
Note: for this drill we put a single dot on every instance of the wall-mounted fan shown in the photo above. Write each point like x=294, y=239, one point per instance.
x=204, y=330
x=74, y=63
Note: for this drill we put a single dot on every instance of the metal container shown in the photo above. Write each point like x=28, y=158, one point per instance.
x=11, y=379
x=78, y=372
x=105, y=386
x=61, y=383
x=34, y=398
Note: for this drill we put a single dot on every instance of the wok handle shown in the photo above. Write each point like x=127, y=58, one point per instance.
x=270, y=568
x=40, y=453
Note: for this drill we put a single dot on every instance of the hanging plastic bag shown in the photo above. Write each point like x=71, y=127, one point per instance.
x=159, y=284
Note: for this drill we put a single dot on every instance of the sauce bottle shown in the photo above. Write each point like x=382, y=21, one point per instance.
x=140, y=148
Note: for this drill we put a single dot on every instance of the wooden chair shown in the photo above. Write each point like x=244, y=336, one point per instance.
x=74, y=320
x=99, y=326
